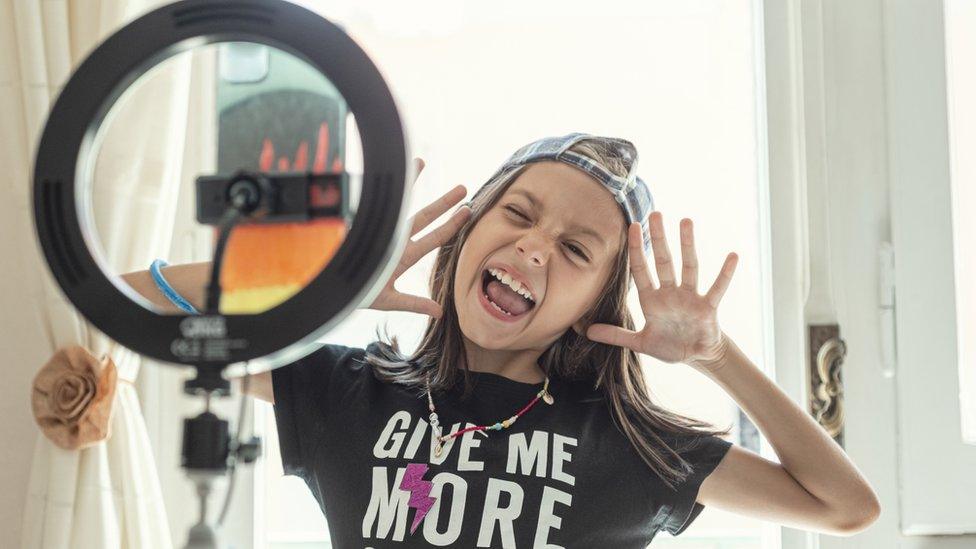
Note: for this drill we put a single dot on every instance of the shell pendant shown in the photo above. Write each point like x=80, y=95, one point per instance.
x=439, y=444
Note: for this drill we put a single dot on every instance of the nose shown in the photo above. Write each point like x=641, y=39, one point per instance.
x=534, y=248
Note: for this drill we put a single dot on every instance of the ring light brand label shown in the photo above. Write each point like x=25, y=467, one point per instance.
x=205, y=338
x=203, y=326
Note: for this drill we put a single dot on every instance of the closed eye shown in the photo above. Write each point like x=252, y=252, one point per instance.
x=516, y=212
x=575, y=249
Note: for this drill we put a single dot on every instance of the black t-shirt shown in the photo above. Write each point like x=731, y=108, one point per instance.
x=562, y=475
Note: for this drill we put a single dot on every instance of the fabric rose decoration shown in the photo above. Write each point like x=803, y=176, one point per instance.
x=72, y=397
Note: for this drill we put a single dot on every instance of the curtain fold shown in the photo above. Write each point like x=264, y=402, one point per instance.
x=107, y=495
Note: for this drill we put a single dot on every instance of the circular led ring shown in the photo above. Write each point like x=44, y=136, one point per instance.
x=288, y=331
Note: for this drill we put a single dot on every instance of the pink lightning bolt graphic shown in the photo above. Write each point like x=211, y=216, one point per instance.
x=419, y=489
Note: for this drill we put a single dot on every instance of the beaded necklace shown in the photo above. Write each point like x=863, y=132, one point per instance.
x=543, y=393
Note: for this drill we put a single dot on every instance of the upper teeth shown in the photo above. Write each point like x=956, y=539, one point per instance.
x=511, y=283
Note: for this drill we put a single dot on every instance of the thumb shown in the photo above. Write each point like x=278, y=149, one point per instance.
x=597, y=333
x=610, y=335
x=418, y=164
x=422, y=305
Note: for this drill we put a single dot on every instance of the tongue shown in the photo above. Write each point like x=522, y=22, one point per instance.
x=506, y=298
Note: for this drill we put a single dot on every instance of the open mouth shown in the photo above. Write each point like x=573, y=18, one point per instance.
x=503, y=298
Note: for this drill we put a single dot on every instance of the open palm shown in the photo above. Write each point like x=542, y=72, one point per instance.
x=681, y=325
x=391, y=299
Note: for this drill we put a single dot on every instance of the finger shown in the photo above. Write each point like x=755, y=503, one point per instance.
x=437, y=237
x=416, y=304
x=715, y=293
x=638, y=262
x=662, y=256
x=418, y=166
x=437, y=208
x=689, y=258
x=612, y=335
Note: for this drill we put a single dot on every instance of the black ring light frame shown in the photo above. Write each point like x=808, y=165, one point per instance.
x=218, y=342
x=286, y=332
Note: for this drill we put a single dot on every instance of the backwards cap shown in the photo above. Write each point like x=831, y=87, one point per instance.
x=630, y=192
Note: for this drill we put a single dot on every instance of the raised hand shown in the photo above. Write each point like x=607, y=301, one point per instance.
x=680, y=324
x=389, y=298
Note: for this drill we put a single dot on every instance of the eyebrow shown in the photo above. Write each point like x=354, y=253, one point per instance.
x=536, y=203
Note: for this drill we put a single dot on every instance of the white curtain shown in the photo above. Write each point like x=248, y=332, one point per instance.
x=108, y=495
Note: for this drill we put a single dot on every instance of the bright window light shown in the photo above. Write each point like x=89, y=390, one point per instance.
x=477, y=80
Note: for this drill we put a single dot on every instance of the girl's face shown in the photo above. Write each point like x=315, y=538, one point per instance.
x=555, y=229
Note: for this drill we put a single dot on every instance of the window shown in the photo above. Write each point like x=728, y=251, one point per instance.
x=961, y=88
x=476, y=81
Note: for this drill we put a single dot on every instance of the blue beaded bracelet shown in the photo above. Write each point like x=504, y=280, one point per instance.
x=168, y=290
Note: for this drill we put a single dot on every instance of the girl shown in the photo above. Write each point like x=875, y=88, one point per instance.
x=523, y=418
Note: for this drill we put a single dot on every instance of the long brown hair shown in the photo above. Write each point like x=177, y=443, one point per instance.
x=615, y=370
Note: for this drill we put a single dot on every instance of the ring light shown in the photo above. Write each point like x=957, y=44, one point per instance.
x=212, y=342
x=242, y=201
